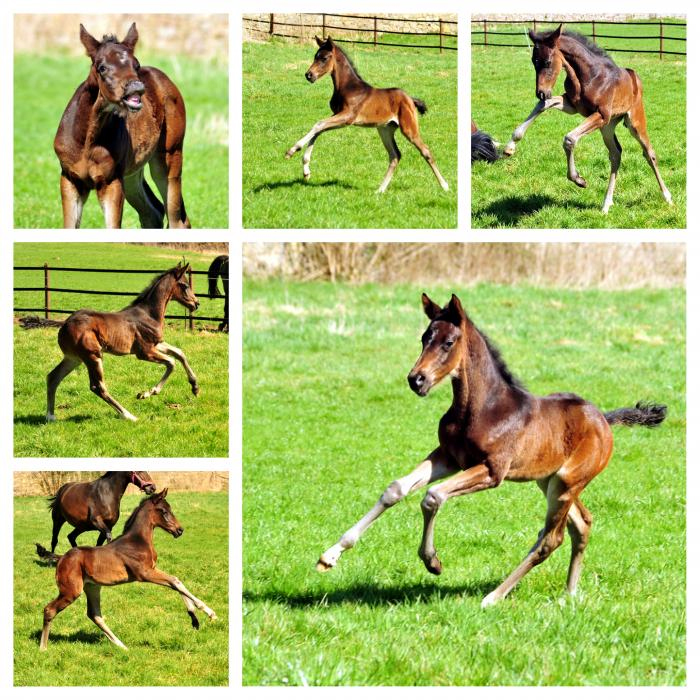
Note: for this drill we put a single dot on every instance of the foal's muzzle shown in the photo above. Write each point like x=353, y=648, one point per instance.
x=132, y=95
x=178, y=532
x=543, y=94
x=310, y=76
x=418, y=383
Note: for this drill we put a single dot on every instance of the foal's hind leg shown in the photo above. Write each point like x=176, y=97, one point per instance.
x=68, y=592
x=93, y=363
x=615, y=155
x=166, y=170
x=595, y=121
x=636, y=122
x=180, y=357
x=53, y=379
x=387, y=134
x=435, y=466
x=409, y=128
x=92, y=593
x=579, y=526
x=141, y=198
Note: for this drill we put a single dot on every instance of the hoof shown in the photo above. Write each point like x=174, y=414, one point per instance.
x=434, y=566
x=143, y=395
x=578, y=180
x=195, y=390
x=509, y=150
x=128, y=416
x=322, y=566
x=490, y=599
x=289, y=153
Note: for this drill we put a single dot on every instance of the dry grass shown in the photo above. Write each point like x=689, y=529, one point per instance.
x=567, y=265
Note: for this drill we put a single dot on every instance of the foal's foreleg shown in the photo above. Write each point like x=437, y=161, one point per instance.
x=53, y=379
x=111, y=198
x=160, y=578
x=180, y=357
x=73, y=198
x=595, y=121
x=435, y=466
x=92, y=593
x=161, y=358
x=560, y=102
x=335, y=122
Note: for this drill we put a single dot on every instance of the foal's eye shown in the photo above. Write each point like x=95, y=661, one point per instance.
x=137, y=65
x=448, y=344
x=101, y=69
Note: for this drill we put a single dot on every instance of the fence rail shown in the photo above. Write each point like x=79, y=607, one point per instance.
x=369, y=26
x=481, y=30
x=46, y=288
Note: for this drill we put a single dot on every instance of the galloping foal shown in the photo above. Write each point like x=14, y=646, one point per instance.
x=494, y=430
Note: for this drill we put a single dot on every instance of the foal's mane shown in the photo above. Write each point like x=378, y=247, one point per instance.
x=508, y=377
x=148, y=290
x=349, y=60
x=137, y=510
x=588, y=44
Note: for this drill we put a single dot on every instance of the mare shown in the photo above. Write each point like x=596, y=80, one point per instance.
x=595, y=88
x=135, y=330
x=219, y=268
x=121, y=118
x=130, y=557
x=494, y=430
x=356, y=103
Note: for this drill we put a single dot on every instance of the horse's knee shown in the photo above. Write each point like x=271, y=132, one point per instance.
x=392, y=494
x=431, y=502
x=569, y=143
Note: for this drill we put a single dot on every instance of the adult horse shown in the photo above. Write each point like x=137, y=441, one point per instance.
x=356, y=102
x=92, y=505
x=219, y=268
x=130, y=557
x=494, y=430
x=121, y=118
x=596, y=89
x=135, y=330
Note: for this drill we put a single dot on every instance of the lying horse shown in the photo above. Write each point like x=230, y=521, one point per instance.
x=596, y=89
x=494, y=430
x=131, y=557
x=92, y=505
x=122, y=117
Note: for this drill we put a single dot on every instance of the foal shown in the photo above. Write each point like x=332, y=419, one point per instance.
x=122, y=117
x=357, y=103
x=135, y=330
x=129, y=558
x=596, y=89
x=495, y=430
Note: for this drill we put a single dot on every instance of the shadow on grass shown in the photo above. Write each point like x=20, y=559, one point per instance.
x=41, y=419
x=373, y=595
x=510, y=210
x=300, y=183
x=79, y=636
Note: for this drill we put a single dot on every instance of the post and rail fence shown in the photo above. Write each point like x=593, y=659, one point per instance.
x=47, y=289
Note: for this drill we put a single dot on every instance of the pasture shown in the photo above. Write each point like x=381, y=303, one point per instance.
x=172, y=424
x=348, y=164
x=530, y=190
x=329, y=422
x=152, y=621
x=44, y=83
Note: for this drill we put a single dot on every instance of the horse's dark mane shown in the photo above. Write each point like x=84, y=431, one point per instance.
x=110, y=39
x=148, y=290
x=508, y=377
x=587, y=43
x=350, y=62
x=132, y=517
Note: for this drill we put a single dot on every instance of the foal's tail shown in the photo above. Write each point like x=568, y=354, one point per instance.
x=420, y=105
x=214, y=272
x=45, y=554
x=647, y=414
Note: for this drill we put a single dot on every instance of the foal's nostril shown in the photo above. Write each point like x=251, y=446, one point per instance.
x=416, y=381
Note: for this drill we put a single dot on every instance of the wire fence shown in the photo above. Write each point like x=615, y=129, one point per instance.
x=356, y=29
x=47, y=309
x=669, y=38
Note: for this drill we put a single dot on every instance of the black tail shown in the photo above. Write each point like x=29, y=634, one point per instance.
x=53, y=501
x=483, y=147
x=420, y=105
x=45, y=554
x=214, y=272
x=647, y=414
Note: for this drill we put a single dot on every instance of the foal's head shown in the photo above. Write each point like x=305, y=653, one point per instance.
x=143, y=481
x=443, y=342
x=324, y=60
x=162, y=516
x=115, y=70
x=547, y=59
x=181, y=290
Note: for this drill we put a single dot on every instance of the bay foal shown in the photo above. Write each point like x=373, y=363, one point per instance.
x=131, y=557
x=495, y=430
x=595, y=88
x=357, y=103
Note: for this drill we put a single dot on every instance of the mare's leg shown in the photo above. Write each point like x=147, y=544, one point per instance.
x=141, y=198
x=435, y=466
x=98, y=522
x=69, y=589
x=111, y=198
x=408, y=121
x=53, y=379
x=470, y=481
x=92, y=593
x=160, y=578
x=73, y=535
x=636, y=122
x=595, y=121
x=560, y=102
x=73, y=199
x=335, y=122
x=615, y=155
x=387, y=135
x=154, y=355
x=93, y=363
x=166, y=170
x=58, y=521
x=180, y=357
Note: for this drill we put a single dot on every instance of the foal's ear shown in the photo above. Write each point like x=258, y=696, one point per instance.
x=320, y=42
x=553, y=38
x=532, y=35
x=89, y=42
x=455, y=311
x=158, y=497
x=132, y=36
x=432, y=310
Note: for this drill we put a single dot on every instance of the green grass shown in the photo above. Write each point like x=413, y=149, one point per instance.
x=152, y=621
x=530, y=190
x=172, y=424
x=329, y=422
x=279, y=107
x=43, y=86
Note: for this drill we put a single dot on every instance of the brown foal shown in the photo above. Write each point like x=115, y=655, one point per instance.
x=131, y=557
x=121, y=118
x=357, y=103
x=595, y=88
x=495, y=430
x=135, y=330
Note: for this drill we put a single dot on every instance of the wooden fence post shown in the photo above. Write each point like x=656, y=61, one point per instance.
x=661, y=39
x=47, y=298
x=190, y=277
x=486, y=38
x=440, y=34
x=272, y=24
x=323, y=25
x=375, y=33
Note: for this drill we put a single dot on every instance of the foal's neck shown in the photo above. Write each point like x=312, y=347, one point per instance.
x=343, y=74
x=159, y=299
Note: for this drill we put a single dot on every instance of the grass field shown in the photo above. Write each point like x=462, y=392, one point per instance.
x=329, y=422
x=43, y=86
x=530, y=190
x=172, y=424
x=279, y=107
x=152, y=621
